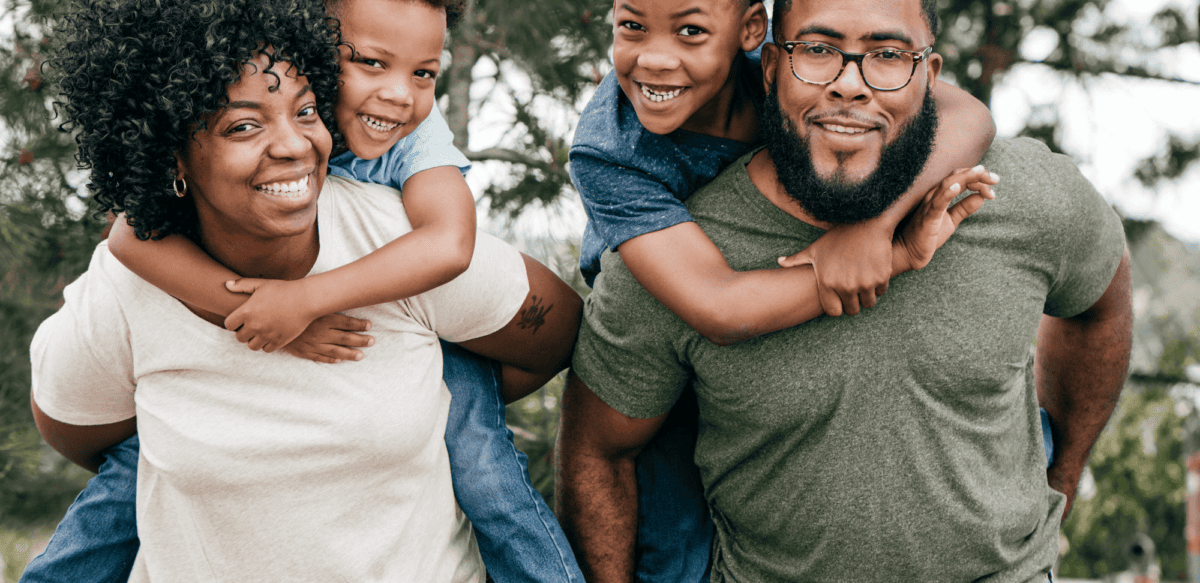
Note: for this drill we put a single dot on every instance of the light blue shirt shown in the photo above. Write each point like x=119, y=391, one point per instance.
x=429, y=146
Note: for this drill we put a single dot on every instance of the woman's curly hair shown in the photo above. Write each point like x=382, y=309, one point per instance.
x=137, y=77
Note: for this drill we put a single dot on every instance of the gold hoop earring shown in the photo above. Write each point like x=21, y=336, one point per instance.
x=180, y=186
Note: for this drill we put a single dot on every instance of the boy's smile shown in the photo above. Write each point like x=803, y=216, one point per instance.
x=673, y=59
x=387, y=79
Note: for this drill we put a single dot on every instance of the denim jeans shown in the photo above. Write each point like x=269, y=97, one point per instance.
x=519, y=537
x=675, y=533
x=97, y=539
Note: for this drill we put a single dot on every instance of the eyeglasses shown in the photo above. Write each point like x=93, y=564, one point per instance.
x=881, y=69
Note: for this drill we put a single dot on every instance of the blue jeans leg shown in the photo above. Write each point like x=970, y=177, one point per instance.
x=675, y=532
x=519, y=537
x=96, y=542
x=1047, y=438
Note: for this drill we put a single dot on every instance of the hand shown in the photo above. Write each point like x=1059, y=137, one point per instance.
x=932, y=224
x=332, y=339
x=852, y=264
x=1065, y=481
x=274, y=315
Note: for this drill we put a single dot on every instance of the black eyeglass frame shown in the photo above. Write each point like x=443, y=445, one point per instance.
x=917, y=58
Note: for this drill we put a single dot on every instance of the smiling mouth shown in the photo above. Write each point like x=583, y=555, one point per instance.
x=378, y=124
x=844, y=129
x=293, y=189
x=660, y=96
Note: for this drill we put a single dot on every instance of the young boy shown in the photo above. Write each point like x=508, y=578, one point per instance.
x=395, y=136
x=678, y=107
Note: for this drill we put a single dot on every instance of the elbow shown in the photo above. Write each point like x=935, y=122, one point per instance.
x=459, y=249
x=721, y=327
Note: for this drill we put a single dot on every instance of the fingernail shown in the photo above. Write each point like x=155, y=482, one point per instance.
x=336, y=361
x=370, y=342
x=368, y=326
x=978, y=168
x=358, y=356
x=994, y=176
x=956, y=187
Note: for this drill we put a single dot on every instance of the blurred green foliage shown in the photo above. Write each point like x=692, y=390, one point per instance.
x=1138, y=469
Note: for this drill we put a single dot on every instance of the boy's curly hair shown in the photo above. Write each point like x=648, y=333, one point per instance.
x=454, y=8
x=137, y=77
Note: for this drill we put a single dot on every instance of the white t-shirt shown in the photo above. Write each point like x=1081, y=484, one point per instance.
x=267, y=467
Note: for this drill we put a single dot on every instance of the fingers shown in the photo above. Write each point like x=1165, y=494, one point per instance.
x=801, y=258
x=343, y=322
x=867, y=299
x=244, y=285
x=966, y=207
x=849, y=303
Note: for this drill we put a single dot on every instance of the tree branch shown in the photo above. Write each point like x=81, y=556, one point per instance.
x=515, y=157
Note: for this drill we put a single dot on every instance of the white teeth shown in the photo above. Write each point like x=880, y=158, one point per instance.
x=843, y=129
x=658, y=97
x=287, y=190
x=378, y=125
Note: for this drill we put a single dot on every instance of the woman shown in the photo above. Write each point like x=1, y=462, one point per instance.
x=206, y=119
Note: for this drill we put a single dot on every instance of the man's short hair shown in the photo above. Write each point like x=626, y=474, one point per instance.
x=929, y=10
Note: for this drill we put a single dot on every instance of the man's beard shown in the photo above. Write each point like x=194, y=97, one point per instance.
x=838, y=200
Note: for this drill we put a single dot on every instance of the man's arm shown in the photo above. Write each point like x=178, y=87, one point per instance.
x=82, y=444
x=537, y=343
x=1080, y=369
x=596, y=482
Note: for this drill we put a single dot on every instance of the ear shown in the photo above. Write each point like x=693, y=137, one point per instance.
x=179, y=166
x=933, y=67
x=754, y=26
x=770, y=59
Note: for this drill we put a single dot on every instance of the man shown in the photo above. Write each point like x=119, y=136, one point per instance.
x=901, y=444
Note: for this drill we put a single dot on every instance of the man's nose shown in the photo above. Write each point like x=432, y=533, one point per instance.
x=849, y=85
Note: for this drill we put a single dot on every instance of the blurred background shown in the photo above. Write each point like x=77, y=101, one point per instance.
x=1114, y=84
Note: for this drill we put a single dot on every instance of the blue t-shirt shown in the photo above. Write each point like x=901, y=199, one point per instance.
x=429, y=146
x=633, y=181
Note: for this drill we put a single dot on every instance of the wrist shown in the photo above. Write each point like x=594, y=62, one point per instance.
x=307, y=299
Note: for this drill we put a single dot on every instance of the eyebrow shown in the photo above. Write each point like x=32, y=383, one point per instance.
x=257, y=105
x=884, y=35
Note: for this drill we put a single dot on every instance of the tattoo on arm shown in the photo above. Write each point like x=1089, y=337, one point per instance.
x=535, y=315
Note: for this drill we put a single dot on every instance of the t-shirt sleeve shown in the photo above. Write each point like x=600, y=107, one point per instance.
x=1090, y=238
x=480, y=301
x=629, y=347
x=81, y=357
x=431, y=145
x=623, y=202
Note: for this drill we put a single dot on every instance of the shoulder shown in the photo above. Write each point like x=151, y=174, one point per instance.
x=1039, y=185
x=359, y=216
x=608, y=128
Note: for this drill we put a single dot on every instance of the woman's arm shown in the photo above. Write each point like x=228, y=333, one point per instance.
x=537, y=343
x=82, y=444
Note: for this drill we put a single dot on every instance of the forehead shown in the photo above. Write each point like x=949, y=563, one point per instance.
x=681, y=8
x=857, y=20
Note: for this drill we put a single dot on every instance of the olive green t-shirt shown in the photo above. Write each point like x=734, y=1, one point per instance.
x=900, y=444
